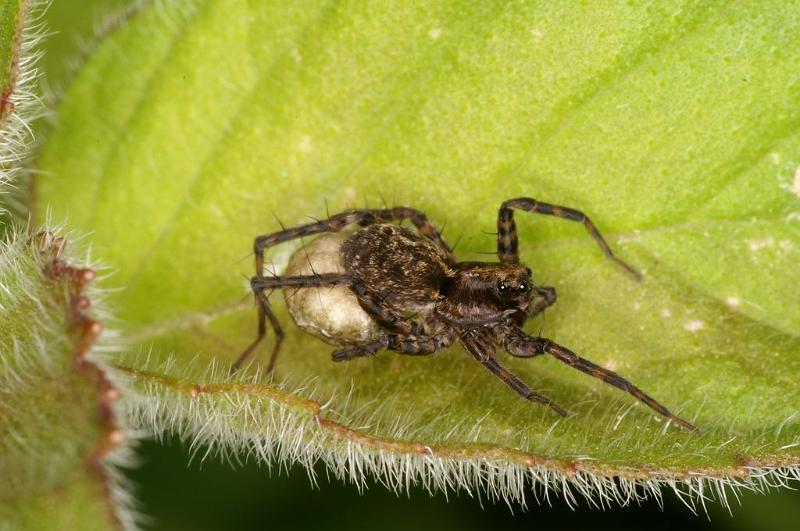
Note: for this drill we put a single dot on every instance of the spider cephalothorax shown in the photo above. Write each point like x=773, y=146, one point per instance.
x=418, y=299
x=484, y=293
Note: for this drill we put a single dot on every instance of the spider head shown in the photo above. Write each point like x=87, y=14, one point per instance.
x=512, y=287
x=479, y=292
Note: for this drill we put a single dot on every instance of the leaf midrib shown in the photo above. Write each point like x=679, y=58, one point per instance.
x=461, y=450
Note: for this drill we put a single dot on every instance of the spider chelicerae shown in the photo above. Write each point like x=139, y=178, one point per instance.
x=421, y=300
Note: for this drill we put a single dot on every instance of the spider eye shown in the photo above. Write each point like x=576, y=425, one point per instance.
x=523, y=287
x=501, y=286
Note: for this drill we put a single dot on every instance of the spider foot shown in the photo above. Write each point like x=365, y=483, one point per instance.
x=344, y=354
x=555, y=407
x=358, y=351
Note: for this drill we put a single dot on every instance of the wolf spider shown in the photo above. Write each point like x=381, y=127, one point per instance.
x=423, y=300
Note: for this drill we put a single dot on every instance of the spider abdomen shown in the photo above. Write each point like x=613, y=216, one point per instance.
x=396, y=266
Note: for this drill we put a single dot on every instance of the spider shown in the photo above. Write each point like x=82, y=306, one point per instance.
x=423, y=300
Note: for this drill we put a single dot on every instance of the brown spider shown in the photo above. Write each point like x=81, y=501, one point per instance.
x=423, y=300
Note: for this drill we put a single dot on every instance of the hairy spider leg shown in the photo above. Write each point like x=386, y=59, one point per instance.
x=483, y=350
x=521, y=345
x=403, y=344
x=335, y=223
x=360, y=351
x=342, y=220
x=507, y=241
x=387, y=317
x=261, y=285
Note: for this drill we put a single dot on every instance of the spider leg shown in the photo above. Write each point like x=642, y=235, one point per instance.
x=507, y=242
x=421, y=345
x=519, y=344
x=260, y=285
x=482, y=349
x=359, y=351
x=387, y=317
x=403, y=344
x=347, y=218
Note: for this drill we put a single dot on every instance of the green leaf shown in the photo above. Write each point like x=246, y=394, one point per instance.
x=60, y=442
x=674, y=126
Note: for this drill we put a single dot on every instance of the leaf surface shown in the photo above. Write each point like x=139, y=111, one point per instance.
x=674, y=126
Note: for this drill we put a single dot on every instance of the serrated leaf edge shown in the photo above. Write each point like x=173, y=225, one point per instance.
x=113, y=451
